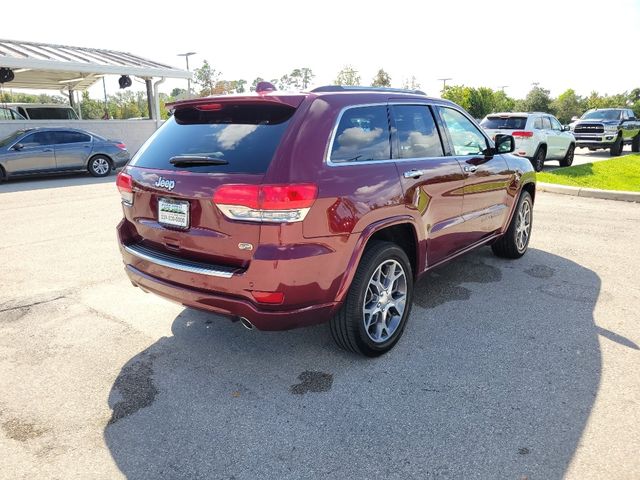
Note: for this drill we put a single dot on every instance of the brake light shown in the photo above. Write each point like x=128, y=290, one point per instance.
x=210, y=107
x=266, y=203
x=124, y=182
x=525, y=134
x=121, y=146
x=273, y=298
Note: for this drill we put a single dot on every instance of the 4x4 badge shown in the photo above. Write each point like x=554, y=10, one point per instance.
x=164, y=183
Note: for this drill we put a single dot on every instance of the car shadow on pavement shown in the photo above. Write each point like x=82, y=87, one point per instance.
x=25, y=184
x=495, y=377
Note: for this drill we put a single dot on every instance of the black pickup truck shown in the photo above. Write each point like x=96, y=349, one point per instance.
x=610, y=128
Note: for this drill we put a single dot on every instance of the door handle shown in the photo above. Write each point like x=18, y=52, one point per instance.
x=470, y=168
x=413, y=173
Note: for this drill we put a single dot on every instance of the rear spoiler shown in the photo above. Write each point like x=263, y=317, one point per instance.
x=278, y=98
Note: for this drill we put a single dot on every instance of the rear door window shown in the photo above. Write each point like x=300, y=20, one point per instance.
x=416, y=132
x=363, y=135
x=537, y=123
x=70, y=137
x=504, y=123
x=245, y=136
x=546, y=124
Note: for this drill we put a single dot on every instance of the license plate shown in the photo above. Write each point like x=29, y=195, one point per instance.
x=174, y=213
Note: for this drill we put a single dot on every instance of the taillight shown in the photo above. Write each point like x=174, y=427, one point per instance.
x=124, y=182
x=266, y=203
x=121, y=146
x=525, y=134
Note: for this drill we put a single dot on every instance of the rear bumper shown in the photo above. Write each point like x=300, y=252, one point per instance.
x=231, y=306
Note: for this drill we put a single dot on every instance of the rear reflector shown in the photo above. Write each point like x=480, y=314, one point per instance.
x=522, y=134
x=273, y=298
x=124, y=182
x=266, y=203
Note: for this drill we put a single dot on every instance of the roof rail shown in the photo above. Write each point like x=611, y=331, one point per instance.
x=348, y=88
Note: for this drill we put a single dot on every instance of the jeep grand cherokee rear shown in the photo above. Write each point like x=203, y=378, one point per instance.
x=286, y=210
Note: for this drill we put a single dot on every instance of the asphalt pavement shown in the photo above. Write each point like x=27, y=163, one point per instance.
x=522, y=369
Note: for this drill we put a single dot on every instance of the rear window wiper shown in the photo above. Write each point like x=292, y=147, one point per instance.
x=195, y=160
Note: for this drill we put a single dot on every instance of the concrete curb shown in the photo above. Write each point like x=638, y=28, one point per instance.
x=589, y=192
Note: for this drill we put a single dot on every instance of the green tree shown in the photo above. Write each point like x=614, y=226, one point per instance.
x=482, y=102
x=568, y=105
x=91, y=109
x=176, y=92
x=207, y=77
x=538, y=100
x=458, y=94
x=347, y=76
x=382, y=79
x=503, y=102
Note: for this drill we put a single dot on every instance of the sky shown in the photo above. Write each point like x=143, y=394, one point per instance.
x=491, y=43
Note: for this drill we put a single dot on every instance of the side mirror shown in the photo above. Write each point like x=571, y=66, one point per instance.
x=18, y=146
x=575, y=119
x=505, y=144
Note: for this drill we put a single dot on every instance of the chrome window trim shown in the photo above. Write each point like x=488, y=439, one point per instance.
x=334, y=131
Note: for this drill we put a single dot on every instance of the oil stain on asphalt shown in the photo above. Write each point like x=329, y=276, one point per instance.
x=312, y=382
x=136, y=388
x=540, y=271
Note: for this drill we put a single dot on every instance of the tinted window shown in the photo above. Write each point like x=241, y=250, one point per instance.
x=70, y=137
x=416, y=132
x=246, y=136
x=362, y=135
x=504, y=123
x=465, y=136
x=37, y=139
x=51, y=113
x=555, y=124
x=546, y=124
x=11, y=138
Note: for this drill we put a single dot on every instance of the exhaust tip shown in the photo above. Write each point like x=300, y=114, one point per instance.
x=246, y=323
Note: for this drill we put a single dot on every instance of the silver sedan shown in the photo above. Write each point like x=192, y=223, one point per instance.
x=39, y=151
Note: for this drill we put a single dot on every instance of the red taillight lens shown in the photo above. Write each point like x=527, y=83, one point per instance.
x=273, y=298
x=525, y=134
x=121, y=146
x=266, y=203
x=283, y=197
x=124, y=182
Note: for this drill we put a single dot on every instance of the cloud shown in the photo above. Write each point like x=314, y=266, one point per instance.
x=231, y=135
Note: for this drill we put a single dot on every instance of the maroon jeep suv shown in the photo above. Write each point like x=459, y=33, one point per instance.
x=289, y=209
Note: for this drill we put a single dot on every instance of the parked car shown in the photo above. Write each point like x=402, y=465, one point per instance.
x=285, y=210
x=539, y=136
x=7, y=113
x=610, y=128
x=37, y=151
x=42, y=111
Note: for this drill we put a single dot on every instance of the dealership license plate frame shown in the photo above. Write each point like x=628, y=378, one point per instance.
x=173, y=213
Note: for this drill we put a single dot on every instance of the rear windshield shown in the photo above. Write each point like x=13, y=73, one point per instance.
x=51, y=113
x=504, y=123
x=245, y=136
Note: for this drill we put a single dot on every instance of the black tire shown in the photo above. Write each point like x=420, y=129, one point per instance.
x=635, y=144
x=508, y=245
x=100, y=166
x=567, y=161
x=616, y=149
x=348, y=325
x=538, y=159
x=3, y=175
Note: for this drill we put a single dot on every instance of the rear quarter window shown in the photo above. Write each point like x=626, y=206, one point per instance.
x=245, y=136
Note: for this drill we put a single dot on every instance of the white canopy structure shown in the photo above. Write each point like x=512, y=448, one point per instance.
x=58, y=67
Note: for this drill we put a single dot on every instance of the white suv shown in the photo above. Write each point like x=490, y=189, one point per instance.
x=538, y=136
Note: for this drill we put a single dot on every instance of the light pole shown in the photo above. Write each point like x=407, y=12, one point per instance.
x=186, y=57
x=502, y=87
x=444, y=83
